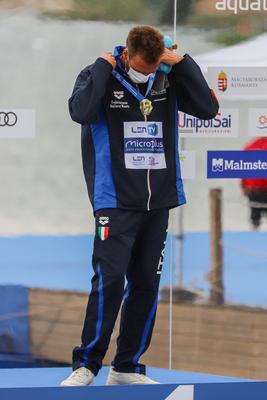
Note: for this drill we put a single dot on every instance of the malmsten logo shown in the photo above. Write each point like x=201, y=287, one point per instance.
x=237, y=164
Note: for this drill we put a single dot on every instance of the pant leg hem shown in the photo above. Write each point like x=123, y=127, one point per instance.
x=80, y=364
x=137, y=369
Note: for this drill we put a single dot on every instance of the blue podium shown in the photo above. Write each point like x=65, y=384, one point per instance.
x=43, y=384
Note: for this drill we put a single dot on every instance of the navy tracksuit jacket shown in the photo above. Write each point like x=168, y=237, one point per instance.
x=132, y=172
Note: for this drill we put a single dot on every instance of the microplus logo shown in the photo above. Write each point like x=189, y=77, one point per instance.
x=237, y=6
x=237, y=164
x=143, y=145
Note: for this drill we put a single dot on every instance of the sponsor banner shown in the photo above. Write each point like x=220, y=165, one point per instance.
x=228, y=82
x=188, y=164
x=224, y=125
x=143, y=145
x=209, y=388
x=17, y=123
x=237, y=164
x=241, y=6
x=183, y=392
x=257, y=122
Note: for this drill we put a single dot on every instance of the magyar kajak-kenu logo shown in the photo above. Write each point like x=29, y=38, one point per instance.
x=222, y=81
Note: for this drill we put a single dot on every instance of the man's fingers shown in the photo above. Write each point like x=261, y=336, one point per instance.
x=107, y=55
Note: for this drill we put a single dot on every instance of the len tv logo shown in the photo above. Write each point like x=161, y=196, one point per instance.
x=150, y=129
x=153, y=129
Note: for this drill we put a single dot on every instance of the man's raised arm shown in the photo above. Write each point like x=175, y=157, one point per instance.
x=193, y=93
x=89, y=89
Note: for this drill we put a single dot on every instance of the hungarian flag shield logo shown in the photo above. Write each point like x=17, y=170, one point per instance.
x=103, y=232
x=222, y=82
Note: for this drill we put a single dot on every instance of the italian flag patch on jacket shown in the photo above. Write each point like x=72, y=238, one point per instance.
x=103, y=232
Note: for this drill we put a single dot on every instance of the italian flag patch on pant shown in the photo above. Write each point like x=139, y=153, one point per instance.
x=103, y=232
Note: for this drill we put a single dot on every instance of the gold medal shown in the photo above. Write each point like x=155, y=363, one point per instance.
x=146, y=107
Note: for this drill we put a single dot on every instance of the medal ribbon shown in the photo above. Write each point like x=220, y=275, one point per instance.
x=131, y=88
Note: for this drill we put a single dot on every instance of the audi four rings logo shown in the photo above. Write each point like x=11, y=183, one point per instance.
x=8, y=118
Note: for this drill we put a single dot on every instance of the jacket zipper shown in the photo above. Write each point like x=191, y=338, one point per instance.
x=148, y=174
x=148, y=182
x=149, y=189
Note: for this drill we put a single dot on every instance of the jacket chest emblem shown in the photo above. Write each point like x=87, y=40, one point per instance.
x=118, y=94
x=118, y=100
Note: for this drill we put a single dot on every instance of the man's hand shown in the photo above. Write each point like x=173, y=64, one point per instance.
x=169, y=57
x=107, y=55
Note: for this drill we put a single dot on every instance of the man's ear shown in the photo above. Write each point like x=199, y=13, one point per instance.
x=125, y=52
x=125, y=58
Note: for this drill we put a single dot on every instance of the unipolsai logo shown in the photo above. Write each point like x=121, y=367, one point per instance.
x=217, y=165
x=222, y=81
x=225, y=124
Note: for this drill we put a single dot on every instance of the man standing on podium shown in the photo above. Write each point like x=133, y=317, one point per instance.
x=127, y=103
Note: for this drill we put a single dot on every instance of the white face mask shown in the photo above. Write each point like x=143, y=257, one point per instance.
x=138, y=77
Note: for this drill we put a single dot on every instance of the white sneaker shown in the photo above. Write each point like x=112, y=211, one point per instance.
x=128, y=378
x=80, y=377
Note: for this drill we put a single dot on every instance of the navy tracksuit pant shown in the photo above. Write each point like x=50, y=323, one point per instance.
x=126, y=243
